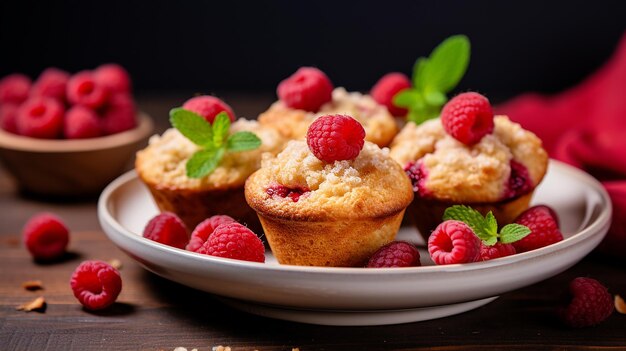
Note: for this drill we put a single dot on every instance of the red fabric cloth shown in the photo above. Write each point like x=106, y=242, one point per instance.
x=585, y=126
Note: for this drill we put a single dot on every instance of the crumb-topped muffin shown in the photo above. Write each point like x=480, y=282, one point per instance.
x=322, y=213
x=498, y=172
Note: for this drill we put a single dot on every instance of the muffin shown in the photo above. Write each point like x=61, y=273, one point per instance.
x=321, y=213
x=497, y=173
x=161, y=166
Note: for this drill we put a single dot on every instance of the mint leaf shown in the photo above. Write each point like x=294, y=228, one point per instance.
x=513, y=232
x=203, y=162
x=418, y=72
x=435, y=98
x=221, y=125
x=473, y=219
x=446, y=65
x=243, y=141
x=491, y=225
x=407, y=98
x=193, y=126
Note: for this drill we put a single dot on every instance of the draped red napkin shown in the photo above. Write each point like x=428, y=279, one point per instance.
x=585, y=126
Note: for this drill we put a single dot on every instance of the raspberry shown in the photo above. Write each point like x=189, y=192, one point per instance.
x=453, y=242
x=233, y=240
x=8, y=117
x=40, y=117
x=96, y=284
x=205, y=229
x=586, y=303
x=395, y=254
x=468, y=117
x=51, y=83
x=417, y=174
x=519, y=181
x=307, y=89
x=114, y=77
x=544, y=225
x=387, y=87
x=335, y=137
x=282, y=191
x=208, y=107
x=80, y=123
x=84, y=89
x=118, y=115
x=496, y=251
x=45, y=236
x=166, y=228
x=14, y=88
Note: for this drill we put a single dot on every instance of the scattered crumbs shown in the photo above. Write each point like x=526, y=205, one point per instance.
x=180, y=348
x=221, y=348
x=620, y=305
x=38, y=304
x=117, y=264
x=295, y=349
x=32, y=285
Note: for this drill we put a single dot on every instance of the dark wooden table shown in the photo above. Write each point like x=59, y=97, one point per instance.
x=155, y=314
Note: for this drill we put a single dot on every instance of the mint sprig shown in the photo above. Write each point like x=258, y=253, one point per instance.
x=486, y=228
x=213, y=138
x=434, y=77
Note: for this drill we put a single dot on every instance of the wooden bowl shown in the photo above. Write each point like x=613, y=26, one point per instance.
x=71, y=168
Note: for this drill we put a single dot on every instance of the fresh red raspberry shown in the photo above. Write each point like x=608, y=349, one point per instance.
x=208, y=107
x=40, y=117
x=96, y=284
x=81, y=123
x=468, y=117
x=544, y=225
x=417, y=174
x=387, y=87
x=84, y=89
x=203, y=231
x=114, y=77
x=395, y=254
x=307, y=89
x=46, y=236
x=453, y=242
x=519, y=181
x=335, y=137
x=586, y=303
x=8, y=117
x=118, y=115
x=14, y=88
x=496, y=251
x=282, y=191
x=51, y=83
x=233, y=240
x=166, y=228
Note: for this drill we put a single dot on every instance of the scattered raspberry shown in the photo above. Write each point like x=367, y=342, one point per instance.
x=84, y=89
x=282, y=191
x=80, y=123
x=544, y=225
x=417, y=174
x=453, y=242
x=335, y=137
x=40, y=117
x=166, y=228
x=45, y=236
x=114, y=77
x=519, y=181
x=208, y=107
x=233, y=240
x=96, y=284
x=395, y=254
x=14, y=88
x=118, y=115
x=51, y=83
x=387, y=87
x=307, y=89
x=587, y=303
x=496, y=251
x=205, y=229
x=468, y=117
x=8, y=117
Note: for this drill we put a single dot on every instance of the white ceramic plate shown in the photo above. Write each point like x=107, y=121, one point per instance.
x=359, y=296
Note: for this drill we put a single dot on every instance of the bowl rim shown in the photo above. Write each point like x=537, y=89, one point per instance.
x=12, y=141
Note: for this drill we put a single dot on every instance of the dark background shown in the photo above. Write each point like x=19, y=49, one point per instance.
x=221, y=47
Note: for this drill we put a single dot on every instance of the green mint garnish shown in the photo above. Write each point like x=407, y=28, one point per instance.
x=486, y=228
x=213, y=139
x=433, y=78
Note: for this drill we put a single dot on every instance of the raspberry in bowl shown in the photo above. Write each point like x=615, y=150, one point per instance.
x=309, y=94
x=332, y=200
x=469, y=157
